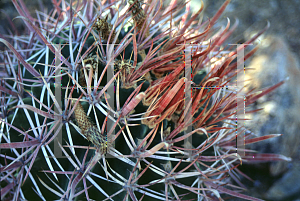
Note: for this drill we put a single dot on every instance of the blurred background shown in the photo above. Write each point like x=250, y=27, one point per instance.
x=277, y=59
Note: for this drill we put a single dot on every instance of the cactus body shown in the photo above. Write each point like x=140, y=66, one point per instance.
x=127, y=100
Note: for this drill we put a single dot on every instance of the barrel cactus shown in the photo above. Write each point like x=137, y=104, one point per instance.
x=122, y=100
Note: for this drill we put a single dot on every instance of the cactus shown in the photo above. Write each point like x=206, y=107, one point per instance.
x=129, y=144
